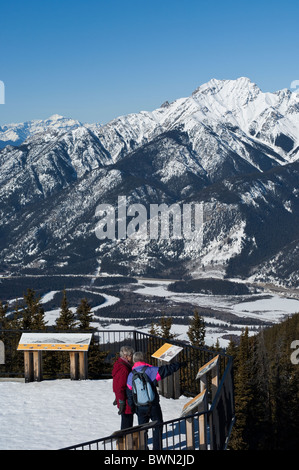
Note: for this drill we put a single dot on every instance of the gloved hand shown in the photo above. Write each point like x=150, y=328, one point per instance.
x=115, y=402
x=122, y=406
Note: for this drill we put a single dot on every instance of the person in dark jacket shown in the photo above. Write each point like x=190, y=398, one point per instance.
x=152, y=411
x=121, y=369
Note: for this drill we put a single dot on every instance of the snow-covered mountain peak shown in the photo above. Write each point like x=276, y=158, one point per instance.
x=242, y=86
x=55, y=117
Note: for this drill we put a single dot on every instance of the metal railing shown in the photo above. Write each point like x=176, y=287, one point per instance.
x=173, y=436
x=218, y=421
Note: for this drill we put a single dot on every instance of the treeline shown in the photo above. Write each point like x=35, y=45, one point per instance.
x=209, y=287
x=30, y=316
x=266, y=377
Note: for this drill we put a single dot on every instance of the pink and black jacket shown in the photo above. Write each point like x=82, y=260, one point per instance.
x=154, y=373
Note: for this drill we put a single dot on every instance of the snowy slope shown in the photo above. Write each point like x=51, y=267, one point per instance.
x=50, y=415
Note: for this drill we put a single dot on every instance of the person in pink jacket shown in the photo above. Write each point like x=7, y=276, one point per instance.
x=153, y=411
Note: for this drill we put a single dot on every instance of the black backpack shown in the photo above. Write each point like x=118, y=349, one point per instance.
x=142, y=388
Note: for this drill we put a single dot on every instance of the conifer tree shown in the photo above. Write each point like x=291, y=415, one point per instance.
x=4, y=322
x=243, y=395
x=16, y=321
x=154, y=329
x=165, y=327
x=32, y=313
x=232, y=349
x=96, y=357
x=66, y=319
x=197, y=331
x=84, y=315
x=162, y=328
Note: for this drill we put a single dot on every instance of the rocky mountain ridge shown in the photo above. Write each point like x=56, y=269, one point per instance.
x=229, y=146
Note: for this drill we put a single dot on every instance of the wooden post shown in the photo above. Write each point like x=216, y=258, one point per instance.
x=37, y=366
x=2, y=353
x=28, y=365
x=83, y=369
x=134, y=438
x=203, y=382
x=74, y=361
x=170, y=386
x=202, y=423
x=215, y=379
x=142, y=440
x=134, y=441
x=176, y=385
x=190, y=433
x=163, y=385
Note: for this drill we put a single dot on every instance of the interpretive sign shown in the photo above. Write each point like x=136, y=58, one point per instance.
x=167, y=352
x=193, y=404
x=54, y=342
x=208, y=366
x=33, y=344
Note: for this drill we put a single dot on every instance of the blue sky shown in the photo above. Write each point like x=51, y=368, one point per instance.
x=96, y=60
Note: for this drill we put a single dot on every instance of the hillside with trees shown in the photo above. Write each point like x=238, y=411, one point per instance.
x=266, y=376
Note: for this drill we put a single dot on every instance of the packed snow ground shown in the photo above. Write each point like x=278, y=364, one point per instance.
x=54, y=414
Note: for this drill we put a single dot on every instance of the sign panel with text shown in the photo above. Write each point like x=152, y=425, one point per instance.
x=167, y=352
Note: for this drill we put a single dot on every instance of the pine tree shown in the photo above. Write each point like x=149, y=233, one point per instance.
x=154, y=329
x=84, y=315
x=4, y=322
x=197, y=331
x=16, y=321
x=165, y=327
x=243, y=396
x=96, y=357
x=33, y=315
x=66, y=320
x=232, y=349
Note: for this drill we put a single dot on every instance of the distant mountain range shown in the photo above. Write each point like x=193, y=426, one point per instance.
x=228, y=145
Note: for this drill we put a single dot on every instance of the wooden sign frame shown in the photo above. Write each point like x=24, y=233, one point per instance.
x=198, y=404
x=33, y=344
